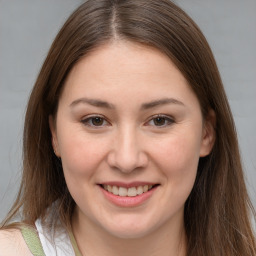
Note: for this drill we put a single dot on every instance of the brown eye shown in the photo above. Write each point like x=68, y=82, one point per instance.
x=97, y=121
x=159, y=121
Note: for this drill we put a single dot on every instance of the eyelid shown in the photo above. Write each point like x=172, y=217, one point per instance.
x=85, y=120
x=166, y=117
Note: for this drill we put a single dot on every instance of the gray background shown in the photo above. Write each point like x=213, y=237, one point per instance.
x=27, y=28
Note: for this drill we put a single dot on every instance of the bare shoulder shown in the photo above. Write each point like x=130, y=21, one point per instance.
x=12, y=243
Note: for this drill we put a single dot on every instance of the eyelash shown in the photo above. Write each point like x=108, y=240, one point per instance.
x=88, y=121
x=167, y=120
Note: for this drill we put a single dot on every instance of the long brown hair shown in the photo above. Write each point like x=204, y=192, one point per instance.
x=217, y=212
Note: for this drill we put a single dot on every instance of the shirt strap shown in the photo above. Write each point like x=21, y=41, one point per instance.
x=74, y=244
x=32, y=240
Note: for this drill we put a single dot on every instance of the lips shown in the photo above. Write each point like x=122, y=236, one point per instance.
x=128, y=195
x=127, y=191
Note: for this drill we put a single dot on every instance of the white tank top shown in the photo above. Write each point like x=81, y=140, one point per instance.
x=54, y=242
x=54, y=237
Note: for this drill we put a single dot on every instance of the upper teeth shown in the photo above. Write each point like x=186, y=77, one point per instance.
x=122, y=191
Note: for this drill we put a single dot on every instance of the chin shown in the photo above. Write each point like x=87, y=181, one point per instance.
x=129, y=233
x=130, y=229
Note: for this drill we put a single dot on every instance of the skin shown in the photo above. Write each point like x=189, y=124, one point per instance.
x=129, y=144
x=12, y=243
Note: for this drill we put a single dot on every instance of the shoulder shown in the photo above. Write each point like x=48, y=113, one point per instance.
x=12, y=243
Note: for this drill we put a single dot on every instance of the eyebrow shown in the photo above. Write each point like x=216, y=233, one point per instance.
x=160, y=102
x=92, y=102
x=144, y=106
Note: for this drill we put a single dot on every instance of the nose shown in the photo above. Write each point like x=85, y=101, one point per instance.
x=127, y=152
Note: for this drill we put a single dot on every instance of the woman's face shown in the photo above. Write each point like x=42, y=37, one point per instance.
x=129, y=131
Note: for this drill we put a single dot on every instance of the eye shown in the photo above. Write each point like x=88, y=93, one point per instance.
x=95, y=121
x=160, y=121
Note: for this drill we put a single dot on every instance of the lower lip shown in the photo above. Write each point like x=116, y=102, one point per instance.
x=127, y=201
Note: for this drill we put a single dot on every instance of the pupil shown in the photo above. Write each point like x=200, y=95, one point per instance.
x=159, y=121
x=97, y=121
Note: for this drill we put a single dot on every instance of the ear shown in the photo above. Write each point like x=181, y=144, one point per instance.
x=52, y=126
x=208, y=135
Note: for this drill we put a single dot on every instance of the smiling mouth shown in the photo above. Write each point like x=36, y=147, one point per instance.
x=128, y=192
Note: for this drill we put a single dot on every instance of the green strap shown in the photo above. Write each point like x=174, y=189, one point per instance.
x=74, y=244
x=32, y=240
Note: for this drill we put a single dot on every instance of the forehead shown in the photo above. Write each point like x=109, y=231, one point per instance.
x=124, y=57
x=122, y=69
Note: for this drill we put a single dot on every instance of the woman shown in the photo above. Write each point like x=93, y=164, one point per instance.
x=129, y=143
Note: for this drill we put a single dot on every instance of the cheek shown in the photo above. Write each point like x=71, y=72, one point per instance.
x=178, y=164
x=178, y=158
x=81, y=154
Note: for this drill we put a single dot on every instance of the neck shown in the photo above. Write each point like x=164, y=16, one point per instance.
x=92, y=240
